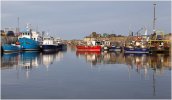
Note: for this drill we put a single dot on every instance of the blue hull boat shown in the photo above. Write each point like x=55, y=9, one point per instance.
x=114, y=48
x=10, y=48
x=136, y=50
x=29, y=44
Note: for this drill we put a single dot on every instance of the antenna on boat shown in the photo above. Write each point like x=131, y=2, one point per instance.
x=154, y=19
x=17, y=31
x=27, y=27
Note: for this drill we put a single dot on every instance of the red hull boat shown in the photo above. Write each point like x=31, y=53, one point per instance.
x=88, y=48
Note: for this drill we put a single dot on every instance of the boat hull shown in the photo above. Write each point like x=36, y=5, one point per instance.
x=10, y=48
x=88, y=48
x=136, y=50
x=50, y=48
x=29, y=44
x=115, y=48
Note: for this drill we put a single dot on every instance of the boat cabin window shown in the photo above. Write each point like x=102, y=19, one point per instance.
x=98, y=43
x=46, y=38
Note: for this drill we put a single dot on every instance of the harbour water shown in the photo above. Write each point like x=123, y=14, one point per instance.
x=85, y=75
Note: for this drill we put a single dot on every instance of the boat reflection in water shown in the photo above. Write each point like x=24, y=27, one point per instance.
x=102, y=57
x=148, y=66
x=151, y=60
x=9, y=60
x=29, y=60
x=139, y=61
x=48, y=58
x=90, y=56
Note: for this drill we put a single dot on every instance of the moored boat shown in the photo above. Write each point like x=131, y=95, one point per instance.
x=158, y=44
x=92, y=47
x=29, y=40
x=137, y=44
x=88, y=48
x=49, y=45
x=10, y=48
x=135, y=50
x=29, y=44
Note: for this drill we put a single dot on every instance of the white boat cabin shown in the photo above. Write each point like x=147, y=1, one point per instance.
x=48, y=40
x=33, y=35
x=28, y=33
x=93, y=43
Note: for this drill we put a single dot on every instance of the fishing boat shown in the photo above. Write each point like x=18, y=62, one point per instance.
x=10, y=48
x=93, y=46
x=88, y=48
x=135, y=50
x=137, y=44
x=158, y=44
x=49, y=45
x=29, y=40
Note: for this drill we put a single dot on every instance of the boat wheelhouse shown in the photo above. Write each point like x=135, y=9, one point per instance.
x=29, y=40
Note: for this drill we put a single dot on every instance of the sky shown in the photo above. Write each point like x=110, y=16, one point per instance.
x=77, y=19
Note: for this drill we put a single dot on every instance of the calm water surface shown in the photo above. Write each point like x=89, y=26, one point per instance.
x=85, y=75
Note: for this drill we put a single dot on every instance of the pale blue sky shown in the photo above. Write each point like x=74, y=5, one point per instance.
x=76, y=19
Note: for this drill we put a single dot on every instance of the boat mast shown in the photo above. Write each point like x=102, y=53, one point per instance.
x=154, y=19
x=17, y=31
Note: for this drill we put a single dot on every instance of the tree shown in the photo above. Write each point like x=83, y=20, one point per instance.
x=93, y=34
